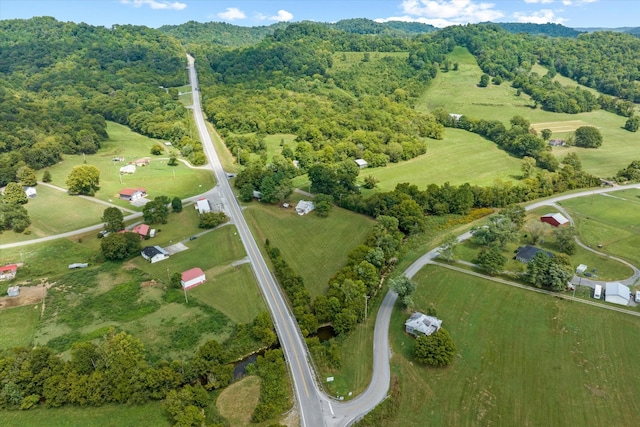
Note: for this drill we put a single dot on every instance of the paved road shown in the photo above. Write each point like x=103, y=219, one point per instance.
x=311, y=403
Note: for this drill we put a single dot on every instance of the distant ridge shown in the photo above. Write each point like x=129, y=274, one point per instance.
x=551, y=30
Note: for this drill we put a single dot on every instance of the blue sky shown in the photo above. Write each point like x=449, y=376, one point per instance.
x=154, y=13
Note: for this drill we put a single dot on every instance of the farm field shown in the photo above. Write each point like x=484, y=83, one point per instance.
x=316, y=248
x=71, y=213
x=502, y=103
x=150, y=414
x=20, y=324
x=610, y=220
x=477, y=160
x=158, y=178
x=522, y=358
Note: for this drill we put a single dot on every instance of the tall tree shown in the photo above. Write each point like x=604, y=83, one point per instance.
x=588, y=137
x=83, y=179
x=448, y=246
x=437, y=349
x=113, y=219
x=565, y=239
x=27, y=176
x=492, y=260
x=14, y=194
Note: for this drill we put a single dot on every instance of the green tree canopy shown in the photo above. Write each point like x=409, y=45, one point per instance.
x=113, y=219
x=437, y=349
x=83, y=179
x=120, y=246
x=492, y=260
x=588, y=137
x=27, y=176
x=14, y=194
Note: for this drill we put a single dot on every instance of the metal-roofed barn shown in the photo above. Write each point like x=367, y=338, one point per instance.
x=421, y=324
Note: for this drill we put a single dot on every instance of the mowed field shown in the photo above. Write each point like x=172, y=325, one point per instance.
x=316, y=248
x=522, y=359
x=458, y=92
x=458, y=158
x=612, y=220
x=157, y=178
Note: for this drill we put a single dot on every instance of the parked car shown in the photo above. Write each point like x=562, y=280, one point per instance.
x=193, y=237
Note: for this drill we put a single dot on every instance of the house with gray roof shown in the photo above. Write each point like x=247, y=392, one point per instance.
x=154, y=254
x=617, y=293
x=421, y=324
x=526, y=253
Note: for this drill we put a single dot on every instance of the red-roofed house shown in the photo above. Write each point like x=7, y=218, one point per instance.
x=555, y=219
x=141, y=229
x=8, y=272
x=193, y=277
x=132, y=194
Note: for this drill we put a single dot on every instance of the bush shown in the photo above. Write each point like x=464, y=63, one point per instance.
x=436, y=349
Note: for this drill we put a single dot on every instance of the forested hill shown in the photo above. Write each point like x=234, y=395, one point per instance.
x=551, y=30
x=221, y=33
x=59, y=81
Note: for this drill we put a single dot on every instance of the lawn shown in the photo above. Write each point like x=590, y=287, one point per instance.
x=502, y=103
x=149, y=414
x=46, y=258
x=522, y=358
x=233, y=291
x=237, y=402
x=612, y=221
x=316, y=248
x=158, y=178
x=477, y=160
x=19, y=326
x=71, y=213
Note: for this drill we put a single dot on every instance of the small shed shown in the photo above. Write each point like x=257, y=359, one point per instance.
x=142, y=162
x=78, y=265
x=421, y=324
x=128, y=169
x=13, y=291
x=526, y=253
x=203, y=206
x=8, y=272
x=362, y=163
x=132, y=194
x=304, y=207
x=31, y=192
x=557, y=142
x=617, y=293
x=192, y=277
x=554, y=219
x=154, y=254
x=581, y=269
x=455, y=117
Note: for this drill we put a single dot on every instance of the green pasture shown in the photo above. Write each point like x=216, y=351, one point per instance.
x=458, y=158
x=522, y=358
x=273, y=143
x=233, y=291
x=227, y=159
x=71, y=213
x=612, y=221
x=157, y=178
x=457, y=92
x=47, y=258
x=149, y=414
x=19, y=325
x=316, y=248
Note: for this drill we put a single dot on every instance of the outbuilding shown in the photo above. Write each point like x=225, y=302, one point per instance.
x=527, y=252
x=8, y=272
x=128, y=169
x=154, y=254
x=192, y=277
x=617, y=293
x=30, y=192
x=554, y=219
x=142, y=230
x=304, y=207
x=203, y=206
x=362, y=163
x=132, y=194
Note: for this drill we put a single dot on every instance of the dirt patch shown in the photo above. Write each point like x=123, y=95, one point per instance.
x=237, y=402
x=28, y=295
x=149, y=283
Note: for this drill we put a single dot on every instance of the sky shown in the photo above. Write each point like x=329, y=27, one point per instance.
x=440, y=13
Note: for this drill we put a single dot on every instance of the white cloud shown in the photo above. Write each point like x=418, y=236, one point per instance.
x=232, y=13
x=156, y=4
x=441, y=13
x=540, y=1
x=282, y=16
x=540, y=17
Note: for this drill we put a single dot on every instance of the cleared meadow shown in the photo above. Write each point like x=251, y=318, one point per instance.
x=522, y=358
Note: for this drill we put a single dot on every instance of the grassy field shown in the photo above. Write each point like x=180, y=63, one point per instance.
x=501, y=103
x=610, y=220
x=522, y=359
x=19, y=325
x=71, y=213
x=158, y=178
x=238, y=401
x=476, y=160
x=316, y=248
x=149, y=414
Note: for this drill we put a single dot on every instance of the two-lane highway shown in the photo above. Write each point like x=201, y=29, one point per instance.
x=310, y=402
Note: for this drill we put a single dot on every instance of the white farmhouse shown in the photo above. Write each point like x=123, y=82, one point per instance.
x=421, y=324
x=304, y=207
x=617, y=293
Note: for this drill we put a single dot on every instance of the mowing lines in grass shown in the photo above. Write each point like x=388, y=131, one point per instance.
x=560, y=126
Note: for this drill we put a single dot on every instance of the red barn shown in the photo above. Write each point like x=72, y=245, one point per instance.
x=554, y=219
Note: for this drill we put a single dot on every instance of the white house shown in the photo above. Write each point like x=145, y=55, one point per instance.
x=362, y=163
x=128, y=169
x=203, y=206
x=421, y=324
x=30, y=192
x=193, y=277
x=617, y=293
x=154, y=254
x=304, y=207
x=132, y=194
